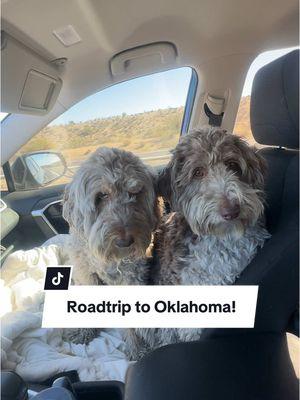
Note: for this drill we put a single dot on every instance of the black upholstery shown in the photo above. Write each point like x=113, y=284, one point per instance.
x=244, y=367
x=282, y=184
x=275, y=121
x=249, y=363
x=275, y=103
x=276, y=267
x=103, y=390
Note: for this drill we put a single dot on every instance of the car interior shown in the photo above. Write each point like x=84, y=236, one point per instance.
x=55, y=54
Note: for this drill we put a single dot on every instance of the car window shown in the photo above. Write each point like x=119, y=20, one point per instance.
x=3, y=116
x=242, y=124
x=143, y=115
x=3, y=185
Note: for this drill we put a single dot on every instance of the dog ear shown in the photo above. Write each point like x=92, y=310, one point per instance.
x=263, y=166
x=68, y=205
x=255, y=164
x=257, y=168
x=164, y=183
x=71, y=212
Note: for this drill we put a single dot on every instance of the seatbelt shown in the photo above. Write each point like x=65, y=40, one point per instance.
x=214, y=110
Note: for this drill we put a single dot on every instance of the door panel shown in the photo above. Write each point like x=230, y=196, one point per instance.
x=37, y=221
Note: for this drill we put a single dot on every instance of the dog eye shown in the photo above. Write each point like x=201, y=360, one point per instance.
x=132, y=195
x=198, y=172
x=100, y=197
x=134, y=191
x=233, y=166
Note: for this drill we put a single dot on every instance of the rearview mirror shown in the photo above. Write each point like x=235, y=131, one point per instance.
x=37, y=169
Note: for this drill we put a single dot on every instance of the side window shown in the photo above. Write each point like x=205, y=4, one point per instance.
x=3, y=185
x=143, y=115
x=242, y=124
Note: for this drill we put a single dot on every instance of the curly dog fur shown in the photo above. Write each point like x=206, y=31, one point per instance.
x=112, y=209
x=214, y=185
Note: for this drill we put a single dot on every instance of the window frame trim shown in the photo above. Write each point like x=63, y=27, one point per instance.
x=189, y=104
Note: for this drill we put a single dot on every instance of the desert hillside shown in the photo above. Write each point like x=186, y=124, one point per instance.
x=143, y=133
x=242, y=123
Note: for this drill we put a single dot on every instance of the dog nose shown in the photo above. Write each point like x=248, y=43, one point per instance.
x=124, y=242
x=230, y=212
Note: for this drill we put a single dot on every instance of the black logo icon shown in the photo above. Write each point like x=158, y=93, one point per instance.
x=57, y=278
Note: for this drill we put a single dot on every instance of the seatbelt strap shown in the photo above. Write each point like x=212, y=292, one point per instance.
x=214, y=110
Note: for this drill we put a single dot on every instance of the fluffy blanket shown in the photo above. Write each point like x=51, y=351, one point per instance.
x=35, y=353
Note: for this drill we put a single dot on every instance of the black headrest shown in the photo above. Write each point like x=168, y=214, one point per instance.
x=274, y=111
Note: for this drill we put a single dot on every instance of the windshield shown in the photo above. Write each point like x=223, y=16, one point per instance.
x=2, y=116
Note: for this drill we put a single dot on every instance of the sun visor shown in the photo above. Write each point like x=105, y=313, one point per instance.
x=29, y=83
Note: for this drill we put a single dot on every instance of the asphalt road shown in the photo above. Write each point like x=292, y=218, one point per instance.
x=159, y=156
x=152, y=157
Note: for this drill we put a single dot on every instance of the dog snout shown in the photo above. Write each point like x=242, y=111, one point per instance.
x=229, y=210
x=126, y=241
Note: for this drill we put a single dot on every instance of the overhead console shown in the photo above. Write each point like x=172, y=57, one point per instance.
x=29, y=83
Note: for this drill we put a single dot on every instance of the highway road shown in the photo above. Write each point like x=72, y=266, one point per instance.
x=158, y=157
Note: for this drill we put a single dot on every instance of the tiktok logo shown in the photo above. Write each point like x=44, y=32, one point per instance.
x=57, y=278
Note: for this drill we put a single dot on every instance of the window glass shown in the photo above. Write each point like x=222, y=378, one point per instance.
x=294, y=351
x=242, y=124
x=2, y=116
x=143, y=115
x=3, y=185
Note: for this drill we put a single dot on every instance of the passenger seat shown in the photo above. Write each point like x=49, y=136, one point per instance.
x=274, y=117
x=274, y=114
x=249, y=363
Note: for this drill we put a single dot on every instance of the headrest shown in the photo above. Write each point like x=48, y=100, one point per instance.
x=274, y=110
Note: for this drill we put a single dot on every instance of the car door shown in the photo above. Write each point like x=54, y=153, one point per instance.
x=39, y=216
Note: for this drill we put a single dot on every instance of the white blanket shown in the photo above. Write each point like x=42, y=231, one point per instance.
x=35, y=353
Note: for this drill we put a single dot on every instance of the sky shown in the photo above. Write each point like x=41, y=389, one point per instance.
x=152, y=92
x=259, y=62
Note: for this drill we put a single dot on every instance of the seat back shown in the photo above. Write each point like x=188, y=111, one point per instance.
x=254, y=364
x=274, y=117
x=244, y=367
x=275, y=122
